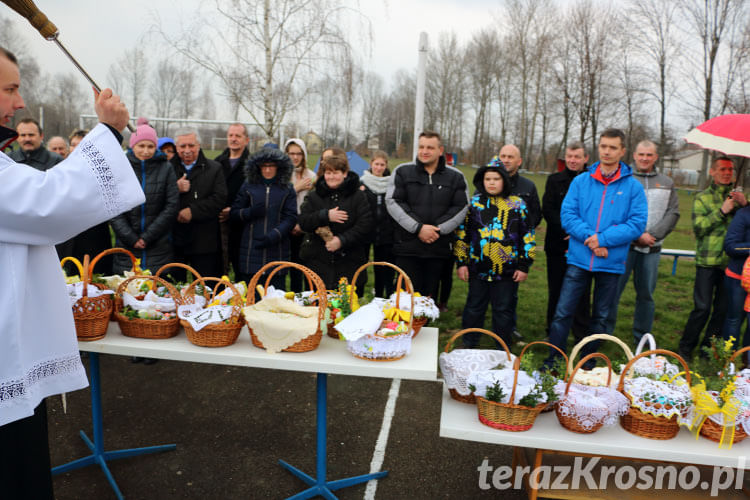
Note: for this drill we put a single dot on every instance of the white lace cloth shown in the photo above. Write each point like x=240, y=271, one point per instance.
x=487, y=378
x=423, y=306
x=75, y=292
x=596, y=377
x=198, y=317
x=372, y=347
x=658, y=365
x=591, y=406
x=153, y=302
x=457, y=365
x=279, y=323
x=658, y=398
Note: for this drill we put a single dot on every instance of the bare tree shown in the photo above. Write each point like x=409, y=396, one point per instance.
x=481, y=65
x=372, y=102
x=446, y=85
x=278, y=44
x=129, y=77
x=164, y=88
x=653, y=23
x=350, y=83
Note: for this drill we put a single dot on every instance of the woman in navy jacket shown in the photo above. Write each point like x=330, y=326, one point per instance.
x=736, y=246
x=266, y=205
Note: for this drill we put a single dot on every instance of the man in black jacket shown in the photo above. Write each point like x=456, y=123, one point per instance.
x=203, y=194
x=32, y=152
x=428, y=200
x=232, y=161
x=522, y=187
x=556, y=239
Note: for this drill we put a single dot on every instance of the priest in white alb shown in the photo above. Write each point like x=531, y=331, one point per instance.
x=38, y=349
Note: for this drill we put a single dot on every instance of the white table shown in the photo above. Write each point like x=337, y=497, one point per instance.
x=459, y=421
x=330, y=357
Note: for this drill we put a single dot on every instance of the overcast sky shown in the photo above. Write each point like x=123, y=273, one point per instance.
x=96, y=31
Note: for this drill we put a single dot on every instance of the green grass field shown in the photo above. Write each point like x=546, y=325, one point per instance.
x=673, y=293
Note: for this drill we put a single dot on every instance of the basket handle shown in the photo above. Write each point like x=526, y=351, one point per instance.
x=549, y=345
x=172, y=290
x=449, y=344
x=738, y=352
x=85, y=277
x=621, y=383
x=111, y=251
x=583, y=361
x=597, y=336
x=75, y=262
x=316, y=284
x=403, y=278
x=237, y=295
x=195, y=273
x=647, y=337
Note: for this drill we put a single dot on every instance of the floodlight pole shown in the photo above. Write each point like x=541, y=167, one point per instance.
x=419, y=104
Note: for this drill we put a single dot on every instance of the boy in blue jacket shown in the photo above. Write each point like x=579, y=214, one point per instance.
x=605, y=209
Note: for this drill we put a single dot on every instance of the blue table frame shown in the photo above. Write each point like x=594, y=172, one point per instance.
x=331, y=357
x=98, y=455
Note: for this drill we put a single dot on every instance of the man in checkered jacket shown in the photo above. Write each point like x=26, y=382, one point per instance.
x=713, y=210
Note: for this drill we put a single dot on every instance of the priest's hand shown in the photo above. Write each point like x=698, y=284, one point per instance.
x=185, y=215
x=110, y=110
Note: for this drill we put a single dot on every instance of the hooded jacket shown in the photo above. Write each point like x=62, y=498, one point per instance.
x=152, y=220
x=40, y=158
x=266, y=211
x=206, y=197
x=497, y=236
x=415, y=198
x=354, y=233
x=616, y=211
x=303, y=173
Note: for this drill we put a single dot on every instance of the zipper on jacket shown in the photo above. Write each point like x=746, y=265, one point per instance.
x=598, y=220
x=143, y=211
x=249, y=240
x=265, y=226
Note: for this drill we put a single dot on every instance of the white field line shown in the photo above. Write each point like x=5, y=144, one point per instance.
x=379, y=454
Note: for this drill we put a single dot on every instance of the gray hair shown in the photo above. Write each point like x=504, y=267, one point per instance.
x=576, y=145
x=187, y=131
x=647, y=144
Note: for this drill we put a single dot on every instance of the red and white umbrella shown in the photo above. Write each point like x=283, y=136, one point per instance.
x=728, y=134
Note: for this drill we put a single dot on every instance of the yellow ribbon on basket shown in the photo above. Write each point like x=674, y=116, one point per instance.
x=393, y=314
x=705, y=406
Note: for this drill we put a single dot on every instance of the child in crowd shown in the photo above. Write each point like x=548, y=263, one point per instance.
x=494, y=250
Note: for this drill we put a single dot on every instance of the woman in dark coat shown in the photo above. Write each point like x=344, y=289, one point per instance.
x=336, y=217
x=146, y=230
x=266, y=206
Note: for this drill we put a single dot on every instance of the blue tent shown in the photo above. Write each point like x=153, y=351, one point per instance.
x=356, y=163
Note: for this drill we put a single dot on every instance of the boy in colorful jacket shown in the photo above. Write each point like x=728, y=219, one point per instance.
x=604, y=210
x=495, y=248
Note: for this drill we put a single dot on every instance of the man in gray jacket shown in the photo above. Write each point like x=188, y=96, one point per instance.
x=32, y=152
x=645, y=252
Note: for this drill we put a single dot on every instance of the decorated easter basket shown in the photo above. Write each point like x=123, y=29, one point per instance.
x=657, y=419
x=220, y=334
x=91, y=314
x=378, y=347
x=110, y=251
x=144, y=328
x=456, y=364
x=316, y=285
x=597, y=376
x=511, y=416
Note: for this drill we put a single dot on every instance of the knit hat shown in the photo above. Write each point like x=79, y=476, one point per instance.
x=143, y=132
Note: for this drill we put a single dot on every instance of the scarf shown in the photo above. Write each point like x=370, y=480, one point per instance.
x=377, y=185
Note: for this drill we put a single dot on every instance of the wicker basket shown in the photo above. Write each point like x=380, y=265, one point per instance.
x=508, y=416
x=568, y=421
x=417, y=325
x=357, y=347
x=643, y=424
x=591, y=338
x=91, y=314
x=471, y=398
x=310, y=342
x=216, y=334
x=713, y=431
x=117, y=300
x=149, y=328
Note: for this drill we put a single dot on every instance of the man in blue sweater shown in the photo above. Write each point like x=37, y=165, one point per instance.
x=605, y=209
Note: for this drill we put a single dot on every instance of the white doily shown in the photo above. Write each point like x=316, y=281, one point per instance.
x=591, y=406
x=75, y=292
x=458, y=364
x=153, y=302
x=504, y=378
x=596, y=377
x=658, y=365
x=375, y=347
x=658, y=398
x=424, y=307
x=198, y=317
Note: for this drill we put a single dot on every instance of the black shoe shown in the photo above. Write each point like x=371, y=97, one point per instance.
x=136, y=359
x=150, y=361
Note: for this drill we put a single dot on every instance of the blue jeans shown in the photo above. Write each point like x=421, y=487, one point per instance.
x=645, y=269
x=575, y=284
x=735, y=313
x=501, y=294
